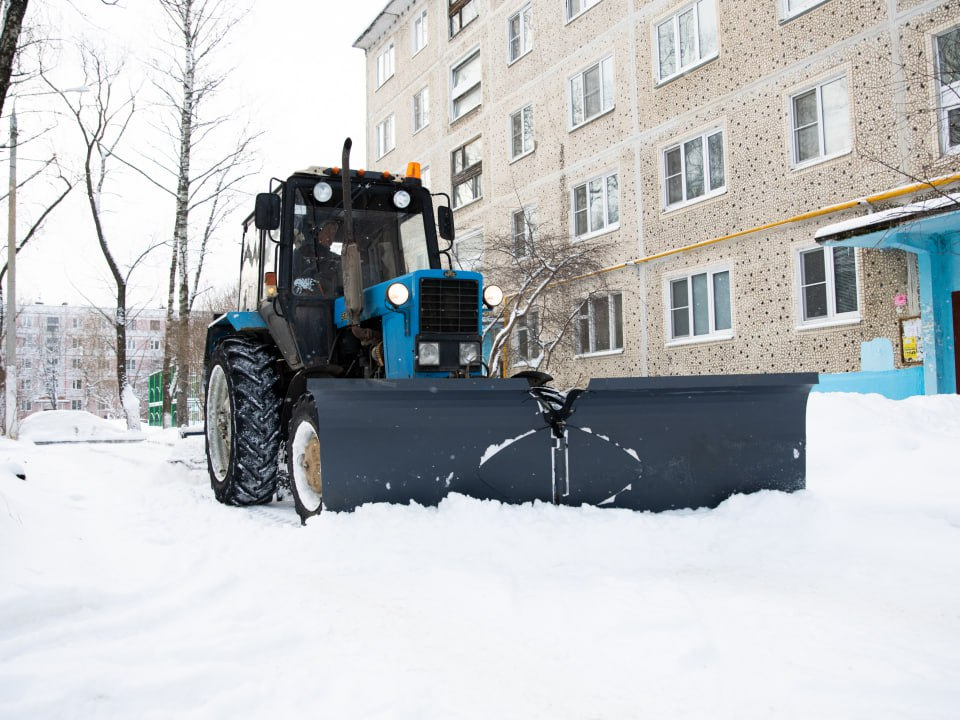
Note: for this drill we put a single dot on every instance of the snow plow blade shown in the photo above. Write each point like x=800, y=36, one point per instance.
x=638, y=443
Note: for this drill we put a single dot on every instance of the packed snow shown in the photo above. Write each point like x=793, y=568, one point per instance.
x=129, y=592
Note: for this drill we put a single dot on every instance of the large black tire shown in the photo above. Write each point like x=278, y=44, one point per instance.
x=303, y=459
x=243, y=421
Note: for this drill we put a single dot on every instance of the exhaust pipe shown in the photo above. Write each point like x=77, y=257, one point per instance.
x=350, y=260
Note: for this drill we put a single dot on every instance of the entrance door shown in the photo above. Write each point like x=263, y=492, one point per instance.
x=955, y=297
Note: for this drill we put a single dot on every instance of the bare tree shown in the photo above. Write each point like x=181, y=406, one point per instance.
x=207, y=162
x=542, y=274
x=14, y=11
x=102, y=125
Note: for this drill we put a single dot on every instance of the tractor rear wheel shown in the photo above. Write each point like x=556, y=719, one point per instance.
x=303, y=459
x=243, y=421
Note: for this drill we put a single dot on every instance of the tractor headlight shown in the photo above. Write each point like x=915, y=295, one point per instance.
x=397, y=294
x=322, y=192
x=492, y=296
x=469, y=353
x=401, y=198
x=429, y=353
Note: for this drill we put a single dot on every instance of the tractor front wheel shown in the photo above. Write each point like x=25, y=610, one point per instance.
x=242, y=422
x=303, y=459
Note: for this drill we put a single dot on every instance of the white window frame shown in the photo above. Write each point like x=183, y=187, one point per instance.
x=420, y=32
x=670, y=26
x=472, y=173
x=472, y=261
x=575, y=8
x=527, y=331
x=386, y=65
x=821, y=124
x=76, y=384
x=386, y=135
x=421, y=109
x=832, y=317
x=791, y=9
x=608, y=225
x=465, y=88
x=154, y=344
x=709, y=190
x=76, y=404
x=577, y=90
x=527, y=144
x=523, y=229
x=523, y=36
x=586, y=315
x=712, y=333
x=948, y=97
x=460, y=9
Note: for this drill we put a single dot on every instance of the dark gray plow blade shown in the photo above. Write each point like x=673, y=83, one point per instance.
x=686, y=442
x=639, y=443
x=419, y=440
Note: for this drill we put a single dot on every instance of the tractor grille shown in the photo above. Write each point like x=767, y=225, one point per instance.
x=449, y=306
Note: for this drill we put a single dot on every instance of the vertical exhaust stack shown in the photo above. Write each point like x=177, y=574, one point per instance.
x=350, y=262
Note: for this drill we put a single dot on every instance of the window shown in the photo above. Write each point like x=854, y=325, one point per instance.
x=420, y=31
x=75, y=343
x=76, y=405
x=155, y=325
x=948, y=77
x=694, y=168
x=75, y=323
x=131, y=365
x=591, y=92
x=132, y=325
x=425, y=176
x=385, y=65
x=468, y=250
x=686, y=39
x=53, y=323
x=76, y=384
x=26, y=405
x=575, y=7
x=462, y=13
x=421, y=110
x=131, y=344
x=76, y=363
x=524, y=223
x=700, y=305
x=521, y=132
x=828, y=285
x=600, y=324
x=519, y=34
x=465, y=90
x=385, y=136
x=596, y=205
x=528, y=337
x=25, y=321
x=467, y=173
x=820, y=119
x=155, y=344
x=792, y=8
x=26, y=385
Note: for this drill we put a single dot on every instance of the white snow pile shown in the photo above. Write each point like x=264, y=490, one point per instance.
x=55, y=426
x=128, y=592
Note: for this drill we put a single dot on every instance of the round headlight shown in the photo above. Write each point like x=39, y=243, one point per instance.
x=322, y=192
x=401, y=198
x=492, y=296
x=397, y=294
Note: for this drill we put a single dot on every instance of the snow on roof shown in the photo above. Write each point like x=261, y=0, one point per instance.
x=889, y=218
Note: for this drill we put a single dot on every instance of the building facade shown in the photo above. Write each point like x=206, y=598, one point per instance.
x=66, y=358
x=690, y=149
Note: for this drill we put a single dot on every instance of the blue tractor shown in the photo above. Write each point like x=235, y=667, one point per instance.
x=352, y=372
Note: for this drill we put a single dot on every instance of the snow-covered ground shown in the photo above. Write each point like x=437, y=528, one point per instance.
x=126, y=592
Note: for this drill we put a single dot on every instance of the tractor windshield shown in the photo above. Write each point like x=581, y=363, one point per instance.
x=391, y=242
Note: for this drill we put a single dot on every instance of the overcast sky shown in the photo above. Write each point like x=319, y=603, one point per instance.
x=295, y=76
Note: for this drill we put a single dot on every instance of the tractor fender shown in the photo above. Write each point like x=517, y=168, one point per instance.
x=232, y=323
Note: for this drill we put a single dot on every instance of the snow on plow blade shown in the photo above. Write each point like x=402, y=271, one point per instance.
x=639, y=443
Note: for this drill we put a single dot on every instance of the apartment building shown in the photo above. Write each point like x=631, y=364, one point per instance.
x=693, y=150
x=66, y=357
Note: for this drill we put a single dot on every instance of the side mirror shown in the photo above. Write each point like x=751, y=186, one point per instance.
x=445, y=223
x=266, y=215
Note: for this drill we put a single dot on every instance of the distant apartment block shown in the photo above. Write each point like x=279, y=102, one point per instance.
x=66, y=357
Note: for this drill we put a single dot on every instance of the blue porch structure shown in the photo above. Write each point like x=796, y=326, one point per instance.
x=931, y=231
